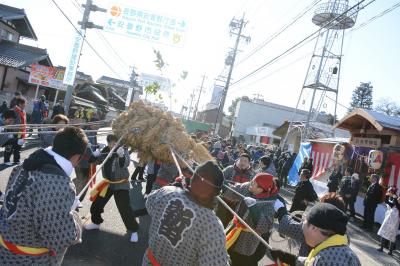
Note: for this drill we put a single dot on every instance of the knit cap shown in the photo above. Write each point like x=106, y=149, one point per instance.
x=328, y=217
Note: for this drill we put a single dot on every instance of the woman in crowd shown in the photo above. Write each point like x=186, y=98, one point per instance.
x=390, y=225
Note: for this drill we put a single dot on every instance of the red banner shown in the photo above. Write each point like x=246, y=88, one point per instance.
x=321, y=153
x=392, y=169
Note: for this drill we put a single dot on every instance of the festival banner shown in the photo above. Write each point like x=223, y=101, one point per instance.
x=321, y=153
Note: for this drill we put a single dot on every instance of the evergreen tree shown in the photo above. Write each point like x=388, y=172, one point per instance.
x=232, y=108
x=362, y=97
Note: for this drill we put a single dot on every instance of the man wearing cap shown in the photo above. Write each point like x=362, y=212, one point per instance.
x=324, y=231
x=184, y=229
x=256, y=208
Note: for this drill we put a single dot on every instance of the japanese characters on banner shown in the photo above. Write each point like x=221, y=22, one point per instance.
x=145, y=25
x=47, y=76
x=72, y=65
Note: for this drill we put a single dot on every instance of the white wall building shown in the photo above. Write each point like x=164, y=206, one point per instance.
x=256, y=121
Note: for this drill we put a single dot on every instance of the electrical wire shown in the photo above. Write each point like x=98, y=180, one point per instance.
x=275, y=71
x=279, y=32
x=304, y=40
x=379, y=15
x=84, y=38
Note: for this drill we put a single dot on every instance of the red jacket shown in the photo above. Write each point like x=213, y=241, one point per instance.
x=22, y=121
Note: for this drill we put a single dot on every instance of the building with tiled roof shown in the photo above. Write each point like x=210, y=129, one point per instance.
x=16, y=58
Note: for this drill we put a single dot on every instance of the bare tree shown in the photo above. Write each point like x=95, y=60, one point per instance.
x=387, y=106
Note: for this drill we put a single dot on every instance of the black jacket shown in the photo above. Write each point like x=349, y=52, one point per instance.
x=345, y=187
x=305, y=191
x=41, y=160
x=373, y=195
x=333, y=181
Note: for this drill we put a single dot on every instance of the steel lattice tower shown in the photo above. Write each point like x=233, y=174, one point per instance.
x=323, y=74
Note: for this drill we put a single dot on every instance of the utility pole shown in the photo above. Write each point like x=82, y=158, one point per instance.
x=198, y=98
x=257, y=96
x=72, y=65
x=191, y=103
x=133, y=90
x=236, y=27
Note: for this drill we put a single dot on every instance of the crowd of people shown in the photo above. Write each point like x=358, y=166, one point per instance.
x=201, y=214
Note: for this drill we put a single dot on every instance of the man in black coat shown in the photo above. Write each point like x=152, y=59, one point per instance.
x=372, y=198
x=286, y=165
x=334, y=179
x=345, y=187
x=304, y=192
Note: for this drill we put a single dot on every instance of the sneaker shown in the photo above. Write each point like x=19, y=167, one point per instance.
x=134, y=237
x=8, y=163
x=92, y=226
x=390, y=253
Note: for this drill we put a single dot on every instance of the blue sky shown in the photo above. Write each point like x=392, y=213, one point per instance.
x=370, y=53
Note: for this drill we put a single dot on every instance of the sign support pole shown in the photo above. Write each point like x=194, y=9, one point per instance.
x=55, y=97
x=37, y=91
x=85, y=24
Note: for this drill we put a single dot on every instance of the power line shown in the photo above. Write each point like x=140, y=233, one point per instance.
x=305, y=40
x=279, y=32
x=379, y=15
x=277, y=70
x=84, y=38
x=337, y=102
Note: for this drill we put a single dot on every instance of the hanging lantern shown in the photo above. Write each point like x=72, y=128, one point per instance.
x=375, y=159
x=338, y=152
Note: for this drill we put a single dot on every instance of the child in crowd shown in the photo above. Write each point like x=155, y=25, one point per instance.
x=115, y=183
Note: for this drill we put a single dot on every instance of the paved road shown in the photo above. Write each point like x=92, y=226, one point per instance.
x=111, y=246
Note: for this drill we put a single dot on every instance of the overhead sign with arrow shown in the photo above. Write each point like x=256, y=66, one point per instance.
x=145, y=25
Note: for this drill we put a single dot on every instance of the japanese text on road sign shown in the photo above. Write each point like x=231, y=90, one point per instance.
x=137, y=23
